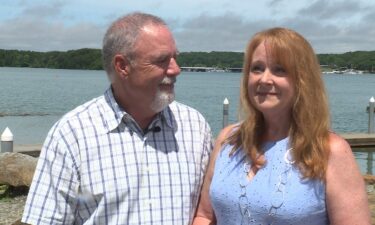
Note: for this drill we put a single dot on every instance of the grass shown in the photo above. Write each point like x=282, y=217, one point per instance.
x=3, y=188
x=8, y=192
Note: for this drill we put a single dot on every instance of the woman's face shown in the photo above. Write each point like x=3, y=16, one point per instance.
x=270, y=88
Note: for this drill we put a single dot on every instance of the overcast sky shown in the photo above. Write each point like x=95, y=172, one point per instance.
x=331, y=26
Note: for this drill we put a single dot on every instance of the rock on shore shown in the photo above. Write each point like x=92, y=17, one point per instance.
x=16, y=169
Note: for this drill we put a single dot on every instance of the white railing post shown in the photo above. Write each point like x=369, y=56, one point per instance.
x=225, y=112
x=370, y=131
x=371, y=115
x=7, y=141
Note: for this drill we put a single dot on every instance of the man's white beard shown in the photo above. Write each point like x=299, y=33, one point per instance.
x=163, y=98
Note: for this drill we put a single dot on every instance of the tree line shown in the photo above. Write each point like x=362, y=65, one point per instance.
x=90, y=59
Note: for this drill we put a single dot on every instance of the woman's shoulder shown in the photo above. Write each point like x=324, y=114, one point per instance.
x=227, y=131
x=338, y=145
x=221, y=139
x=341, y=156
x=225, y=134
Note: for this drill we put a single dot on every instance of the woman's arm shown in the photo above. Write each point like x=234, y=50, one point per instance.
x=205, y=214
x=345, y=191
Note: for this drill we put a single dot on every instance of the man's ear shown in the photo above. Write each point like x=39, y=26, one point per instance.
x=121, y=66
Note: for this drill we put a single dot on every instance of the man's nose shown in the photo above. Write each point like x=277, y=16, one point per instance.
x=173, y=68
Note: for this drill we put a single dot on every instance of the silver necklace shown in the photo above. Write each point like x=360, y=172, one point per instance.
x=277, y=198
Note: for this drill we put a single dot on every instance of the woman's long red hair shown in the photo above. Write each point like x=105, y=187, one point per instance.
x=309, y=130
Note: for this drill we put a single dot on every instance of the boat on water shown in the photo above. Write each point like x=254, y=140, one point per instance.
x=346, y=71
x=218, y=70
x=353, y=71
x=333, y=72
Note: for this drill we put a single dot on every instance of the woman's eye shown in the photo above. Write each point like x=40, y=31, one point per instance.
x=256, y=68
x=279, y=70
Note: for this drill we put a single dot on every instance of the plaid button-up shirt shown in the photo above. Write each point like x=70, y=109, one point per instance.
x=98, y=167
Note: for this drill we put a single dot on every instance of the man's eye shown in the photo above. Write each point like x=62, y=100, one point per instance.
x=162, y=60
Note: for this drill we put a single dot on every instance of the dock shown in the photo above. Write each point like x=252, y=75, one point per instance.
x=360, y=142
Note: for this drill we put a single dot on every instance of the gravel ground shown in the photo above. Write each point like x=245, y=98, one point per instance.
x=371, y=201
x=11, y=209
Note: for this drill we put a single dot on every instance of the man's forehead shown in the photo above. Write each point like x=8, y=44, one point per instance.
x=152, y=29
x=163, y=53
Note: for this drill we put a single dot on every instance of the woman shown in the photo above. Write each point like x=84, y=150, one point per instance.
x=281, y=164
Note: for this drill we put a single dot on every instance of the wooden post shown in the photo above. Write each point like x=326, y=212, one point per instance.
x=369, y=163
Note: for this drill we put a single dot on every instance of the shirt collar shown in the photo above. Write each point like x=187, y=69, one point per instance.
x=114, y=113
x=166, y=116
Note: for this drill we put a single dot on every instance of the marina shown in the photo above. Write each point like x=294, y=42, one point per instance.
x=37, y=98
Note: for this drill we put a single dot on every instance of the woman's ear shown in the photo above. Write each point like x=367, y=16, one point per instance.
x=121, y=66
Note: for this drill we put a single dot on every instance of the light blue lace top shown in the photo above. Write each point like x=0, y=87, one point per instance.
x=276, y=194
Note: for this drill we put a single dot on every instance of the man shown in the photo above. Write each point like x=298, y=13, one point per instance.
x=133, y=155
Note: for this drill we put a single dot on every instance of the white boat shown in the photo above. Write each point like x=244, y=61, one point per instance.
x=352, y=71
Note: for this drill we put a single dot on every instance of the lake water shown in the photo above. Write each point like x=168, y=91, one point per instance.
x=32, y=100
